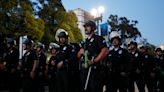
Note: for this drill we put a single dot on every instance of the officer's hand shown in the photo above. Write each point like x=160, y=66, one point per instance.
x=2, y=66
x=46, y=73
x=123, y=74
x=138, y=71
x=152, y=75
x=53, y=62
x=18, y=68
x=13, y=70
x=81, y=52
x=90, y=62
x=32, y=74
x=60, y=65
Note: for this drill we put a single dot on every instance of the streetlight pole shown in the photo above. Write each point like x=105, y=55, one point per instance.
x=97, y=13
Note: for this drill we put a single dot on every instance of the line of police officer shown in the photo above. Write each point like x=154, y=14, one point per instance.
x=81, y=68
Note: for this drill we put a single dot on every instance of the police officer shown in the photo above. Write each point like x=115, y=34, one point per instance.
x=75, y=71
x=65, y=57
x=136, y=73
x=41, y=67
x=2, y=66
x=51, y=67
x=12, y=59
x=119, y=68
x=94, y=49
x=28, y=66
x=159, y=60
x=149, y=69
x=1, y=47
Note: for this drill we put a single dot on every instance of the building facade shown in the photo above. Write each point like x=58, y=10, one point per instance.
x=82, y=17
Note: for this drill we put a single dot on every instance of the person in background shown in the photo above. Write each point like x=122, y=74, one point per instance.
x=12, y=61
x=119, y=59
x=51, y=67
x=159, y=61
x=29, y=66
x=136, y=73
x=41, y=66
x=65, y=57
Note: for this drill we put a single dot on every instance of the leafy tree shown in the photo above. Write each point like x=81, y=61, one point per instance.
x=69, y=23
x=126, y=27
x=55, y=17
x=18, y=19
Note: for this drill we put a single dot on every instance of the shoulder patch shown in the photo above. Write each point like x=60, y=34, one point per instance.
x=120, y=52
x=136, y=55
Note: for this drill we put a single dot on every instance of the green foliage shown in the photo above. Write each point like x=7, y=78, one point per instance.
x=55, y=17
x=18, y=19
x=69, y=23
x=38, y=20
x=127, y=27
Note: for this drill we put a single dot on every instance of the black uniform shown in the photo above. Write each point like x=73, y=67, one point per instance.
x=75, y=71
x=159, y=60
x=12, y=61
x=94, y=45
x=29, y=84
x=136, y=73
x=3, y=79
x=150, y=75
x=41, y=71
x=52, y=74
x=119, y=63
x=65, y=54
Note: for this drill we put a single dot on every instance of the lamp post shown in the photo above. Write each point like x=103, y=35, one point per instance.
x=97, y=13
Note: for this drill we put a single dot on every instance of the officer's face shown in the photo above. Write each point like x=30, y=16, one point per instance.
x=25, y=47
x=142, y=50
x=53, y=51
x=88, y=30
x=8, y=46
x=159, y=53
x=62, y=40
x=132, y=47
x=38, y=49
x=116, y=42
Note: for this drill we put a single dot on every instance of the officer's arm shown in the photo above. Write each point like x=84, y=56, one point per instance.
x=104, y=50
x=35, y=64
x=46, y=69
x=102, y=54
x=80, y=53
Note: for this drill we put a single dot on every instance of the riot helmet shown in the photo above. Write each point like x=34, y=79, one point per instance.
x=63, y=34
x=9, y=41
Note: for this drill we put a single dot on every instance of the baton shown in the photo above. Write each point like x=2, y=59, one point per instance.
x=86, y=83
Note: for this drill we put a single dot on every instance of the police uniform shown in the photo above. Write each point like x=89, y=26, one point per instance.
x=75, y=71
x=159, y=61
x=149, y=69
x=2, y=72
x=119, y=60
x=12, y=60
x=52, y=74
x=51, y=67
x=136, y=72
x=29, y=82
x=66, y=55
x=94, y=45
x=1, y=46
x=41, y=71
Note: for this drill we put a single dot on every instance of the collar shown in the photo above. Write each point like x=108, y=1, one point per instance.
x=90, y=37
